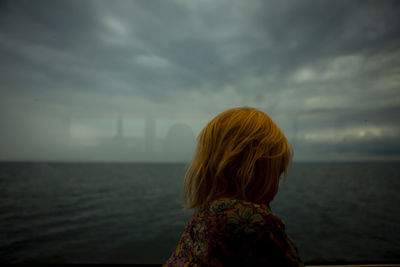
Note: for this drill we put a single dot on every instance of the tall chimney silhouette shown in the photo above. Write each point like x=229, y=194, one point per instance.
x=119, y=126
x=150, y=133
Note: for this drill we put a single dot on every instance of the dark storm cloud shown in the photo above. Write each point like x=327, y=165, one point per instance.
x=271, y=37
x=315, y=66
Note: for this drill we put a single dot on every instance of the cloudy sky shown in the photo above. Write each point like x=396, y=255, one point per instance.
x=137, y=80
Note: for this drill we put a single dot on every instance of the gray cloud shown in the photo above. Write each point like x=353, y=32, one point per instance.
x=326, y=71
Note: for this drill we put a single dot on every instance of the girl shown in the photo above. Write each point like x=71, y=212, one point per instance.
x=240, y=157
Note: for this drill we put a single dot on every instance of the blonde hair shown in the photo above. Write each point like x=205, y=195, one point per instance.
x=241, y=153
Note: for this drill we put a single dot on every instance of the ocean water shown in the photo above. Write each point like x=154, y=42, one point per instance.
x=132, y=213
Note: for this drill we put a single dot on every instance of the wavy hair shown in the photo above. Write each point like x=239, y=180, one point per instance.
x=241, y=153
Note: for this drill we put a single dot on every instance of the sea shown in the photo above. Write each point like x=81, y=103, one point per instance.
x=133, y=212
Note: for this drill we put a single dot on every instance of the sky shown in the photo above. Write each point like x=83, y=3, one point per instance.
x=137, y=80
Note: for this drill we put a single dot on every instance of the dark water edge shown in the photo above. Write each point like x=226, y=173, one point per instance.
x=132, y=212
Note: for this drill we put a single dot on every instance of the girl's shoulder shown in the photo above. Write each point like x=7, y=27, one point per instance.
x=246, y=232
x=239, y=215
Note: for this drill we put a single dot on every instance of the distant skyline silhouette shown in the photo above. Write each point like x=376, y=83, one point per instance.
x=177, y=145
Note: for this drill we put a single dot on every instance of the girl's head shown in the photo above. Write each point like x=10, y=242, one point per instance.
x=241, y=153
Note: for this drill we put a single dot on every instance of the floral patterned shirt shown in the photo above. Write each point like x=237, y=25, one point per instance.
x=232, y=232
